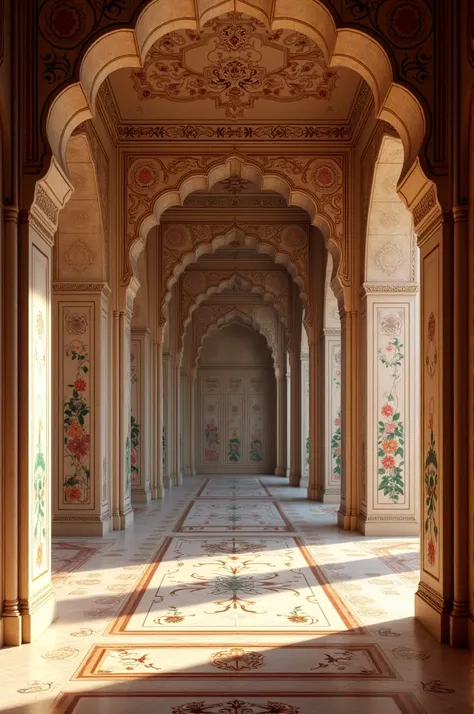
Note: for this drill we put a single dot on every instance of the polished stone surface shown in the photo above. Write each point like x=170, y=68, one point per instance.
x=236, y=595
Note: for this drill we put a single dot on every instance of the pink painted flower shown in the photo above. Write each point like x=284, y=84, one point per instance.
x=337, y=421
x=388, y=462
x=387, y=410
x=79, y=447
x=337, y=451
x=390, y=427
x=73, y=493
x=335, y=477
x=133, y=456
x=431, y=552
x=80, y=385
x=389, y=348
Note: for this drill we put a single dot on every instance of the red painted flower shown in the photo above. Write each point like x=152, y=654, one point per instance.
x=337, y=421
x=388, y=462
x=390, y=446
x=431, y=551
x=80, y=385
x=79, y=447
x=133, y=456
x=387, y=410
x=73, y=493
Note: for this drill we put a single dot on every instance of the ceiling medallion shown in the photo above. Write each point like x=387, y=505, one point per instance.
x=233, y=61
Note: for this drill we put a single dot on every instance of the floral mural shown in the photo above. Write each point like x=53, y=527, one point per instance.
x=134, y=449
x=128, y=465
x=431, y=495
x=39, y=490
x=233, y=453
x=336, y=439
x=211, y=441
x=256, y=447
x=75, y=424
x=390, y=436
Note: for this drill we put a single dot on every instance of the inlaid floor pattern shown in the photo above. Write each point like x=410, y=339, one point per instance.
x=236, y=596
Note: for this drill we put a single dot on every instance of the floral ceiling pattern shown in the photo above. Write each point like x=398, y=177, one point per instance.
x=234, y=61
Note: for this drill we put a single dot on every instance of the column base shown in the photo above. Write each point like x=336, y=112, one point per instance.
x=432, y=612
x=313, y=494
x=459, y=625
x=295, y=479
x=157, y=494
x=177, y=479
x=12, y=629
x=123, y=519
x=81, y=526
x=330, y=495
x=38, y=612
x=388, y=526
x=280, y=472
x=346, y=520
x=141, y=495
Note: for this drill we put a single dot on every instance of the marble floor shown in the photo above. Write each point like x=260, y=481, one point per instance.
x=236, y=596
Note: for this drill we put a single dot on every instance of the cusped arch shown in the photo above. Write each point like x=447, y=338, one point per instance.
x=236, y=315
x=346, y=47
x=236, y=235
x=246, y=283
x=80, y=246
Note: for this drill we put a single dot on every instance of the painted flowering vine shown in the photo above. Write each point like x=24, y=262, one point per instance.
x=233, y=452
x=76, y=438
x=256, y=447
x=431, y=494
x=336, y=439
x=39, y=487
x=135, y=445
x=391, y=439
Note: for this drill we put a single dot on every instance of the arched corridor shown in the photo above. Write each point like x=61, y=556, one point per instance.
x=235, y=357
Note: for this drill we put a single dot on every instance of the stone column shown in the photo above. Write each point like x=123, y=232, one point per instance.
x=37, y=602
x=435, y=591
x=176, y=472
x=389, y=489
x=167, y=435
x=12, y=635
x=140, y=432
x=122, y=510
x=192, y=419
x=305, y=437
x=295, y=424
x=81, y=409
x=331, y=482
x=314, y=414
x=158, y=441
x=347, y=514
x=288, y=416
x=184, y=424
x=281, y=426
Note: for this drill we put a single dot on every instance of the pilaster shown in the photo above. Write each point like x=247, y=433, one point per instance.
x=81, y=409
x=330, y=489
x=140, y=428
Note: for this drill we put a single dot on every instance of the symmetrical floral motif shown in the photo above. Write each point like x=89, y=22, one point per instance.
x=236, y=706
x=391, y=438
x=76, y=438
x=211, y=441
x=237, y=659
x=431, y=357
x=233, y=453
x=431, y=494
x=234, y=74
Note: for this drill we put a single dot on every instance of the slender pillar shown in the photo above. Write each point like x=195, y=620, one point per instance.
x=10, y=610
x=81, y=409
x=314, y=475
x=176, y=471
x=192, y=419
x=158, y=442
x=281, y=426
x=295, y=425
x=37, y=601
x=458, y=635
x=305, y=436
x=347, y=514
x=167, y=435
x=434, y=597
x=140, y=431
x=288, y=416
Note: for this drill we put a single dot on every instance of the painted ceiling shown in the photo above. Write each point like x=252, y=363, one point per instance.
x=235, y=69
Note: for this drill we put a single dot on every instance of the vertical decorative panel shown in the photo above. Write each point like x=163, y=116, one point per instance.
x=77, y=395
x=256, y=428
x=39, y=443
x=432, y=533
x=234, y=416
x=335, y=413
x=104, y=420
x=211, y=435
x=127, y=410
x=135, y=397
x=305, y=417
